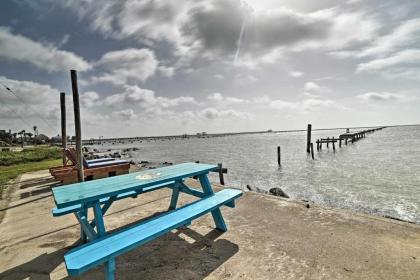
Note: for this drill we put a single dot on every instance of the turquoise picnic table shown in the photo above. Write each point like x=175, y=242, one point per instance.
x=102, y=247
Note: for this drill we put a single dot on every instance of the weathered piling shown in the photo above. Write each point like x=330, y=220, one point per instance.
x=78, y=129
x=317, y=144
x=63, y=123
x=221, y=178
x=278, y=156
x=333, y=144
x=312, y=150
x=308, y=138
x=328, y=141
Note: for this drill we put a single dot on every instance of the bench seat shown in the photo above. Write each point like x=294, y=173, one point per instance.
x=106, y=248
x=75, y=208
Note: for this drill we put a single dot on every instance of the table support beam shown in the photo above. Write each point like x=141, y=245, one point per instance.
x=217, y=214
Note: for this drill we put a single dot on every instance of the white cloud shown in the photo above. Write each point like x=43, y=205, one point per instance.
x=89, y=98
x=136, y=96
x=281, y=105
x=312, y=87
x=210, y=29
x=296, y=74
x=212, y=113
x=379, y=96
x=125, y=114
x=405, y=57
x=47, y=57
x=404, y=35
x=304, y=105
x=125, y=66
x=218, y=97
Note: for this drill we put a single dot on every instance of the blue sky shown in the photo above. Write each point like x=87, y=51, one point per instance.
x=155, y=67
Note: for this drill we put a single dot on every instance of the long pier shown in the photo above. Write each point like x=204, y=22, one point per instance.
x=345, y=137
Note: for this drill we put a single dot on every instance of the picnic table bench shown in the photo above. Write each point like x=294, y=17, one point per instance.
x=101, y=247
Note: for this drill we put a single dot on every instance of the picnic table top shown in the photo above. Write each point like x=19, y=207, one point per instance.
x=90, y=191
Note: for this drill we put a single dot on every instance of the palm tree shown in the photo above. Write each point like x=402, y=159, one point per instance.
x=35, y=134
x=21, y=133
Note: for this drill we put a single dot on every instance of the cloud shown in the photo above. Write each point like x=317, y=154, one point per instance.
x=200, y=30
x=35, y=104
x=136, y=96
x=405, y=34
x=125, y=66
x=405, y=57
x=212, y=113
x=281, y=105
x=296, y=74
x=379, y=96
x=312, y=87
x=304, y=105
x=89, y=99
x=219, y=98
x=125, y=114
x=47, y=57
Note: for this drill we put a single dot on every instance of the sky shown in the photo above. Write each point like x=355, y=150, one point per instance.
x=169, y=67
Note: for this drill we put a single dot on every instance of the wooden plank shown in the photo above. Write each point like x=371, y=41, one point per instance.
x=75, y=208
x=95, y=253
x=73, y=194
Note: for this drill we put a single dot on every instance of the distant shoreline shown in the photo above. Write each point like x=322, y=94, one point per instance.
x=222, y=134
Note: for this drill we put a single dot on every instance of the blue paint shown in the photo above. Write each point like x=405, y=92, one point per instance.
x=105, y=249
x=70, y=209
x=217, y=215
x=91, y=191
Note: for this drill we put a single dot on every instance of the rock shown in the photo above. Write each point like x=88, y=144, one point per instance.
x=308, y=206
x=278, y=192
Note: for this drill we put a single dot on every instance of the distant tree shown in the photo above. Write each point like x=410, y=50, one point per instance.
x=29, y=134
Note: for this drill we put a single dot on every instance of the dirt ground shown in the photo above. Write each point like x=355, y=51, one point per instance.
x=268, y=238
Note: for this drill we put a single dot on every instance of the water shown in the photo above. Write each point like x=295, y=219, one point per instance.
x=379, y=174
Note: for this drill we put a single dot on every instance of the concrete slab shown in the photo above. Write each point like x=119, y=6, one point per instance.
x=268, y=238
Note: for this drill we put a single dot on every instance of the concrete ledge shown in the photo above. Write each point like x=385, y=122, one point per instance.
x=268, y=238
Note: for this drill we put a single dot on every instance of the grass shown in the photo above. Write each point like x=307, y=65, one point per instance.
x=12, y=164
x=10, y=172
x=29, y=155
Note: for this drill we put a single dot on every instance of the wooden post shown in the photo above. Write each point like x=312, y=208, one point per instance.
x=333, y=144
x=78, y=129
x=221, y=178
x=308, y=139
x=346, y=141
x=317, y=145
x=63, y=124
x=279, y=156
x=312, y=150
x=328, y=141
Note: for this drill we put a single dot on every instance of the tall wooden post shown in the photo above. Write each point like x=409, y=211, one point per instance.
x=79, y=155
x=63, y=124
x=278, y=156
x=308, y=139
x=312, y=150
x=221, y=178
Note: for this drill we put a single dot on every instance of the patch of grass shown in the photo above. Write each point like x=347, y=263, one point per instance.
x=10, y=172
x=8, y=158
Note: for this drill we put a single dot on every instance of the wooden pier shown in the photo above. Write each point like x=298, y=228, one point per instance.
x=345, y=137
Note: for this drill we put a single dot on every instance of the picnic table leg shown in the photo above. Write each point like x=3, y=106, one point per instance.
x=83, y=236
x=217, y=214
x=100, y=226
x=110, y=269
x=99, y=219
x=175, y=195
